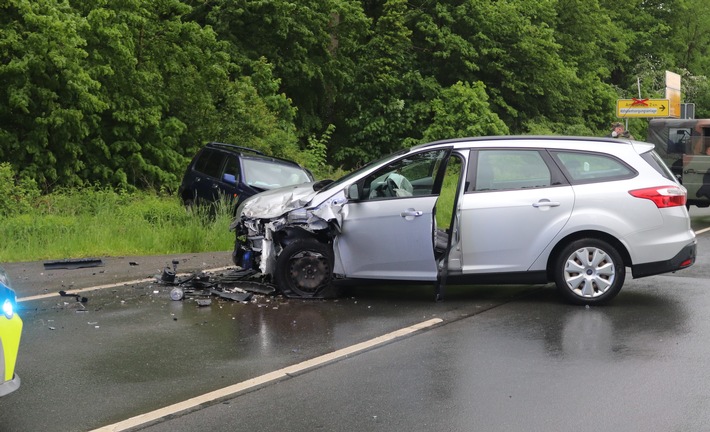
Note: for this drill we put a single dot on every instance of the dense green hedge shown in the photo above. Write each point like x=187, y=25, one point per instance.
x=122, y=94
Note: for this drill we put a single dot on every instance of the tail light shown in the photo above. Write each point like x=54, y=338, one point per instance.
x=662, y=196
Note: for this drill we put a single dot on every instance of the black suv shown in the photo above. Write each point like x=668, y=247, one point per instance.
x=226, y=170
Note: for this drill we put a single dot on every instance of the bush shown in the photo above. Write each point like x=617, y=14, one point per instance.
x=18, y=195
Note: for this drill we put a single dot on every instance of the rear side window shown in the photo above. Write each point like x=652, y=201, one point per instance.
x=209, y=163
x=657, y=163
x=512, y=169
x=583, y=167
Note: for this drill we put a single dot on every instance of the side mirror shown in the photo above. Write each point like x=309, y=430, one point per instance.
x=353, y=193
x=321, y=184
x=229, y=178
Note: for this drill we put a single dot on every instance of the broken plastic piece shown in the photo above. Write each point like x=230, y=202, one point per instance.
x=168, y=276
x=236, y=296
x=73, y=263
x=203, y=302
x=76, y=296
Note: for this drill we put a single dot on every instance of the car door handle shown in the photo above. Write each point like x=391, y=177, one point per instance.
x=546, y=203
x=409, y=213
x=690, y=171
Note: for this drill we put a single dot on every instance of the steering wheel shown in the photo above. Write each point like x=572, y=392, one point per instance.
x=404, y=188
x=390, y=186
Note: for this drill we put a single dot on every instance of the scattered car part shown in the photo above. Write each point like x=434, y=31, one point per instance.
x=73, y=263
x=176, y=294
x=234, y=285
x=236, y=296
x=78, y=297
x=168, y=276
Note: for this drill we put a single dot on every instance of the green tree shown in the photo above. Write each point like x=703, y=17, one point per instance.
x=171, y=86
x=593, y=45
x=311, y=43
x=691, y=36
x=48, y=100
x=462, y=110
x=387, y=101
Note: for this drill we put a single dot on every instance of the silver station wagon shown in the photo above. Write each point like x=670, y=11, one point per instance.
x=575, y=211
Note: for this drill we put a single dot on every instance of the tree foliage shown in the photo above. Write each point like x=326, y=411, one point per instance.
x=122, y=94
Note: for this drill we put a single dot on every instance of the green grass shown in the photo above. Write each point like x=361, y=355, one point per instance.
x=88, y=223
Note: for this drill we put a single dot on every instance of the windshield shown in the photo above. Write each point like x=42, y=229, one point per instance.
x=271, y=175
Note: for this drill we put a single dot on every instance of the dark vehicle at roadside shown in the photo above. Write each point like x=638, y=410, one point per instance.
x=684, y=145
x=222, y=170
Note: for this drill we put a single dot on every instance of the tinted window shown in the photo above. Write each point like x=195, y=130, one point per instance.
x=509, y=170
x=210, y=163
x=232, y=166
x=592, y=167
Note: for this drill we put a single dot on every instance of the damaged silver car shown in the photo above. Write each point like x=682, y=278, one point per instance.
x=498, y=210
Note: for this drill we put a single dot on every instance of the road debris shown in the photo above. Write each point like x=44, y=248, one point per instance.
x=73, y=263
x=76, y=296
x=235, y=285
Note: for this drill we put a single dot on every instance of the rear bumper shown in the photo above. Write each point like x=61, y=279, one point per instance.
x=685, y=258
x=10, y=386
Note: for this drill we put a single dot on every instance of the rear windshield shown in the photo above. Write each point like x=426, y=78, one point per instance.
x=657, y=163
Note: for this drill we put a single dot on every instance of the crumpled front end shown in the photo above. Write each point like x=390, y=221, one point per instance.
x=266, y=223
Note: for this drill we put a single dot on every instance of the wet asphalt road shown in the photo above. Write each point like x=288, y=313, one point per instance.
x=502, y=359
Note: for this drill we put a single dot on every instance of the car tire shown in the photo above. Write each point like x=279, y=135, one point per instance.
x=589, y=271
x=304, y=268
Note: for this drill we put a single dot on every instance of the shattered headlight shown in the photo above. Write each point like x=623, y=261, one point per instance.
x=298, y=216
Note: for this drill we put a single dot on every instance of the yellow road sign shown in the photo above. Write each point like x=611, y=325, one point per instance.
x=634, y=107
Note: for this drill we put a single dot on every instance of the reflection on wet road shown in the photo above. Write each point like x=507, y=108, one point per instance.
x=530, y=364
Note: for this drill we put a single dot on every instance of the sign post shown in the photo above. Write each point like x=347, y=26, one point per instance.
x=673, y=93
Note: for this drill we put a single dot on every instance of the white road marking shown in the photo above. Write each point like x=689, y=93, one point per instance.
x=263, y=379
x=704, y=230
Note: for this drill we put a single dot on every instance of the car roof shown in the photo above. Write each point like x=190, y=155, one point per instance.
x=250, y=153
x=548, y=141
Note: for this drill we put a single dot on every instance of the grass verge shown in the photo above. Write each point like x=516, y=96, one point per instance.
x=88, y=223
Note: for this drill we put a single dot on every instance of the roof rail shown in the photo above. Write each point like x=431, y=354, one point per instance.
x=225, y=145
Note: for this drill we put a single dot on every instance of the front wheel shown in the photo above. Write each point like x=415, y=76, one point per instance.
x=589, y=271
x=304, y=267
